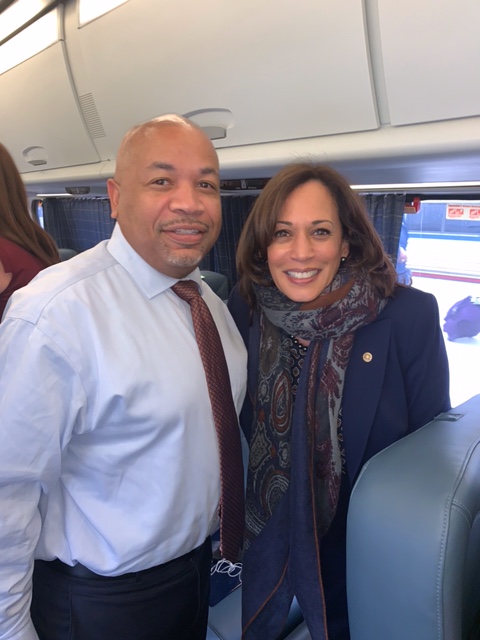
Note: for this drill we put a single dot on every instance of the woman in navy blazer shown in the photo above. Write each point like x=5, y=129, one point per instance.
x=342, y=363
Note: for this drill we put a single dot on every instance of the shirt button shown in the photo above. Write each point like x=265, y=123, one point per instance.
x=367, y=356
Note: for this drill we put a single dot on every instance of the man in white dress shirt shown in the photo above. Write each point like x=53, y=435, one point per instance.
x=109, y=468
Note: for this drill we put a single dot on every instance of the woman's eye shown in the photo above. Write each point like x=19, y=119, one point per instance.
x=280, y=233
x=322, y=232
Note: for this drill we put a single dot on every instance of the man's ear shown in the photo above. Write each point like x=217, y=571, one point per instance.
x=113, y=189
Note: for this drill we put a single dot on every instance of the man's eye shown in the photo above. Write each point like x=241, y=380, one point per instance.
x=207, y=185
x=161, y=182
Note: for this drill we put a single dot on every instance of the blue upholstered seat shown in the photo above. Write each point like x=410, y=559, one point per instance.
x=413, y=541
x=217, y=281
x=66, y=254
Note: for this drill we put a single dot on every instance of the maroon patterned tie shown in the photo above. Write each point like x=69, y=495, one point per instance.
x=225, y=418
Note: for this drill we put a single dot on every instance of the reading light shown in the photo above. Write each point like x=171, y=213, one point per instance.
x=36, y=156
x=215, y=133
x=215, y=122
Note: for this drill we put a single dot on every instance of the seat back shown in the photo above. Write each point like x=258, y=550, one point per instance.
x=217, y=281
x=413, y=536
x=66, y=254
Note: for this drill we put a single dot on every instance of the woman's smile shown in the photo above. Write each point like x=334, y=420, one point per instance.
x=307, y=243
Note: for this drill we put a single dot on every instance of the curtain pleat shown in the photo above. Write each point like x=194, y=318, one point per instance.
x=235, y=210
x=78, y=223
x=386, y=212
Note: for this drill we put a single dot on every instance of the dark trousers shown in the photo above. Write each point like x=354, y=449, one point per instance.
x=168, y=602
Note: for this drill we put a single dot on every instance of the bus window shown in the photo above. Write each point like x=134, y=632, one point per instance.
x=443, y=255
x=37, y=211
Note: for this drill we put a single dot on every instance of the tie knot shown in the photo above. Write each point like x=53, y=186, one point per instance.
x=187, y=290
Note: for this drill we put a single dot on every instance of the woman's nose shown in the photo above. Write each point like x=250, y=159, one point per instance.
x=302, y=247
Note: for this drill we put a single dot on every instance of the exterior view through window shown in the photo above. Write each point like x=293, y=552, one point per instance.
x=443, y=256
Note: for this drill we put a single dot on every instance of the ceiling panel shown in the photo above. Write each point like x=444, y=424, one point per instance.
x=431, y=59
x=277, y=69
x=39, y=112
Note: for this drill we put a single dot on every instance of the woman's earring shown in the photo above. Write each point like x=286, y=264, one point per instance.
x=342, y=259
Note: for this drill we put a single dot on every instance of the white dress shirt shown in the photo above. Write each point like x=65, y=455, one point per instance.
x=108, y=450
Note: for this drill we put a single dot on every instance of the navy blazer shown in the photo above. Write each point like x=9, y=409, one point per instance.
x=396, y=381
x=397, y=378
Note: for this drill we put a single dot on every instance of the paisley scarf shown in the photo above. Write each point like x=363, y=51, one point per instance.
x=295, y=464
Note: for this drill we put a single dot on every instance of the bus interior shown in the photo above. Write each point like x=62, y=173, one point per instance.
x=382, y=91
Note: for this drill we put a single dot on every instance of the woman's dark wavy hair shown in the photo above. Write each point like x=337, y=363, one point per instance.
x=366, y=253
x=16, y=223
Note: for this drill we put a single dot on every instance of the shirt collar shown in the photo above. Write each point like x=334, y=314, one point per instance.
x=148, y=279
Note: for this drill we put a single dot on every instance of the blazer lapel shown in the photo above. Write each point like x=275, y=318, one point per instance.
x=363, y=386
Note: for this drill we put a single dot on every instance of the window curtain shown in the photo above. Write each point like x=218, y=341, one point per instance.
x=386, y=212
x=78, y=223
x=81, y=223
x=235, y=210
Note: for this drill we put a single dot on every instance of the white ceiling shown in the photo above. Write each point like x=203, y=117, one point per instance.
x=386, y=92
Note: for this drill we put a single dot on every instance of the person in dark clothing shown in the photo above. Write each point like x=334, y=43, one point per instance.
x=342, y=361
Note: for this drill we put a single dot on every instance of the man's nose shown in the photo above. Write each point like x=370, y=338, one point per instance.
x=186, y=198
